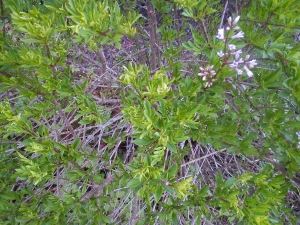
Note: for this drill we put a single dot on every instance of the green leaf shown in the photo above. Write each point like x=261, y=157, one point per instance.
x=229, y=182
x=174, y=218
x=142, y=142
x=169, y=189
x=171, y=147
x=60, y=146
x=76, y=143
x=147, y=106
x=219, y=179
x=123, y=179
x=172, y=170
x=105, y=219
x=158, y=192
x=204, y=192
x=181, y=139
x=43, y=130
x=133, y=183
x=148, y=159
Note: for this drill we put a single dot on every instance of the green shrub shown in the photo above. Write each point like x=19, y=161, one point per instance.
x=186, y=112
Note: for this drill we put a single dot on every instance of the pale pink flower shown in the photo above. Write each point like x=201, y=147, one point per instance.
x=234, y=64
x=233, y=23
x=220, y=53
x=252, y=63
x=236, y=20
x=238, y=35
x=229, y=20
x=208, y=75
x=221, y=34
x=240, y=72
x=231, y=47
x=237, y=54
x=249, y=73
x=237, y=63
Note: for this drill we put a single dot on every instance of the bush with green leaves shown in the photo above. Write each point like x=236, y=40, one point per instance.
x=149, y=112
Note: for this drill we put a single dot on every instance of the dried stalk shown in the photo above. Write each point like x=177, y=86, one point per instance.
x=203, y=157
x=223, y=14
x=134, y=217
x=102, y=59
x=97, y=189
x=176, y=23
x=155, y=54
x=142, y=58
x=205, y=31
x=106, y=101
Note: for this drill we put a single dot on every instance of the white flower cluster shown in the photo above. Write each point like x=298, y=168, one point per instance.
x=208, y=75
x=245, y=63
x=298, y=134
x=232, y=51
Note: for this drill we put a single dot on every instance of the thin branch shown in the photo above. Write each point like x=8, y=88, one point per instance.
x=223, y=14
x=205, y=31
x=134, y=217
x=101, y=57
x=97, y=189
x=176, y=23
x=281, y=169
x=106, y=101
x=153, y=36
x=203, y=157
